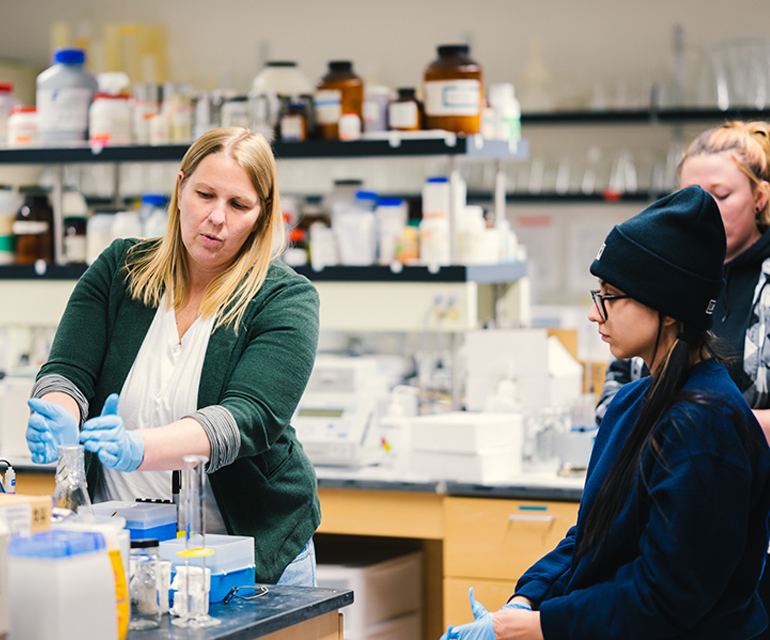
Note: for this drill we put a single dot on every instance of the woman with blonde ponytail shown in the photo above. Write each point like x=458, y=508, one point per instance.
x=672, y=529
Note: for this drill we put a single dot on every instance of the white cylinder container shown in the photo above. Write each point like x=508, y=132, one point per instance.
x=109, y=120
x=64, y=94
x=21, y=127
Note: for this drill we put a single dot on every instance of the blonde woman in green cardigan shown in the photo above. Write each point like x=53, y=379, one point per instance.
x=198, y=342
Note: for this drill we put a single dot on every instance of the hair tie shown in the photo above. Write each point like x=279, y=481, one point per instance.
x=685, y=337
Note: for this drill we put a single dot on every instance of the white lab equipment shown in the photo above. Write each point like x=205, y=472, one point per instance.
x=547, y=375
x=467, y=446
x=338, y=411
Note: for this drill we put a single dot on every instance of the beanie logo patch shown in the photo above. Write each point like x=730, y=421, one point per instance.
x=601, y=251
x=710, y=308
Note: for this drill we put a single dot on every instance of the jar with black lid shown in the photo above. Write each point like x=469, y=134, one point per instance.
x=33, y=227
x=339, y=92
x=405, y=112
x=453, y=91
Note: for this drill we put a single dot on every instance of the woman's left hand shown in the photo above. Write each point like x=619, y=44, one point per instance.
x=513, y=620
x=106, y=435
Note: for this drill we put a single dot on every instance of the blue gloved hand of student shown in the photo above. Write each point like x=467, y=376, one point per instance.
x=482, y=628
x=49, y=426
x=118, y=448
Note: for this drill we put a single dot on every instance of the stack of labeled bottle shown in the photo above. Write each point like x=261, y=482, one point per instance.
x=74, y=106
x=362, y=228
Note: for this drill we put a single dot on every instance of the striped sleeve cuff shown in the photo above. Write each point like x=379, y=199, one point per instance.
x=222, y=431
x=55, y=382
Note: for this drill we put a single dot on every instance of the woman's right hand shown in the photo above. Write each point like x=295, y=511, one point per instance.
x=49, y=426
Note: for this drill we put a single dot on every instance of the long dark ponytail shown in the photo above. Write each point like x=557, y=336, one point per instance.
x=667, y=382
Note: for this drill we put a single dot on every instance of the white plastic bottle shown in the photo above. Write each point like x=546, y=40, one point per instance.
x=392, y=215
x=434, y=230
x=153, y=215
x=126, y=224
x=7, y=102
x=506, y=112
x=64, y=94
x=470, y=235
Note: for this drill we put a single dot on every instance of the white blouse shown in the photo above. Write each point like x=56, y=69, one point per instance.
x=161, y=387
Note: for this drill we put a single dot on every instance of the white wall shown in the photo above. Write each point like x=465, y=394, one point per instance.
x=225, y=42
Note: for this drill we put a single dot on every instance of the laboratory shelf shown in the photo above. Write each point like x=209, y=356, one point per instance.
x=42, y=271
x=642, y=116
x=390, y=145
x=480, y=274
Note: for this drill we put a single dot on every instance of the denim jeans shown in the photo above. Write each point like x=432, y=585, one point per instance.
x=301, y=571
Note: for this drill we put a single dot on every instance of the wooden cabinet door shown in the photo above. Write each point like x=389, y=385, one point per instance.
x=500, y=539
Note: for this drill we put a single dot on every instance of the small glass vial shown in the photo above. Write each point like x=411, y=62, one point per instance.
x=33, y=229
x=145, y=584
x=453, y=91
x=405, y=112
x=292, y=126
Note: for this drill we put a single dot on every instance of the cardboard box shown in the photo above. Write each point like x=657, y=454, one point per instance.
x=25, y=514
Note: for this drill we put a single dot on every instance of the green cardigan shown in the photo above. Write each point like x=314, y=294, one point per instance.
x=269, y=491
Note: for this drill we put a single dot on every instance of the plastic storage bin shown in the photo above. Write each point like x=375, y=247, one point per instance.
x=143, y=519
x=232, y=563
x=388, y=591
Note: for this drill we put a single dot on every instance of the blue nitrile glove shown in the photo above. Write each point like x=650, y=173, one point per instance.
x=117, y=447
x=48, y=427
x=481, y=628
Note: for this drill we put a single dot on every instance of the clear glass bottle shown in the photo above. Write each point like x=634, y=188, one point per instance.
x=145, y=584
x=453, y=91
x=71, y=490
x=339, y=91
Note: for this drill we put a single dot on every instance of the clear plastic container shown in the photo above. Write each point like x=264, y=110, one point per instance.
x=453, y=91
x=62, y=586
x=64, y=94
x=145, y=584
x=98, y=233
x=339, y=91
x=153, y=214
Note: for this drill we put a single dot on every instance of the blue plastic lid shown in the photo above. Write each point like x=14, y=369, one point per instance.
x=154, y=199
x=55, y=543
x=69, y=56
x=390, y=202
x=437, y=179
x=366, y=195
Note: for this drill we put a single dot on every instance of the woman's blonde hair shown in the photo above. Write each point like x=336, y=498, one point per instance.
x=749, y=145
x=155, y=266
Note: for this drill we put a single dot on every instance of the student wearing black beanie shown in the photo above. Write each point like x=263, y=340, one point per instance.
x=672, y=529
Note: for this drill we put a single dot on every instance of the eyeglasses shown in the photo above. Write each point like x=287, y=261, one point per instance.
x=600, y=299
x=249, y=593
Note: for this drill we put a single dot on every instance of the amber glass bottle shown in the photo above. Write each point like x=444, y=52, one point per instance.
x=33, y=228
x=453, y=91
x=405, y=112
x=339, y=91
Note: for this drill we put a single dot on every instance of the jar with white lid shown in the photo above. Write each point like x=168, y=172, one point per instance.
x=109, y=120
x=21, y=127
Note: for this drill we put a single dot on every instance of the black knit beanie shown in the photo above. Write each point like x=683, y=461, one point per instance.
x=669, y=257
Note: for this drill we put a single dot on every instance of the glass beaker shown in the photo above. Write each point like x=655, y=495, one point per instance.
x=71, y=490
x=194, y=613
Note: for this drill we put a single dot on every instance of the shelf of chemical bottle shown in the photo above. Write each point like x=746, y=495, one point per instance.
x=642, y=116
x=569, y=197
x=387, y=146
x=481, y=274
